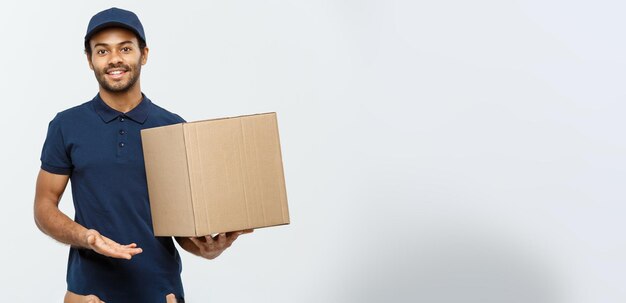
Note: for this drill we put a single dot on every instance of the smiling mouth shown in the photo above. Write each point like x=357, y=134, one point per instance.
x=116, y=74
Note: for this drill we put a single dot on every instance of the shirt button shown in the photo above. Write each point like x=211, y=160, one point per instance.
x=122, y=119
x=122, y=144
x=122, y=132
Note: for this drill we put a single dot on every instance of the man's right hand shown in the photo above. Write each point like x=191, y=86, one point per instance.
x=108, y=247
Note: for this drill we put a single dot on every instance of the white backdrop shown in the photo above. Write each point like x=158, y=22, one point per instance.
x=434, y=151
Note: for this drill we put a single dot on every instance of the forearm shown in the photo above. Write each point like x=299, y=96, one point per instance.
x=54, y=223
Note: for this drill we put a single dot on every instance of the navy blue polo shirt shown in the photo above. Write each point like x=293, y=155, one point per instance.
x=100, y=149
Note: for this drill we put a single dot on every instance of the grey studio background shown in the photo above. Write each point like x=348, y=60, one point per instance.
x=434, y=151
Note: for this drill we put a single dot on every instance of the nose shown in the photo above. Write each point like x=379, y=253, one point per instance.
x=115, y=58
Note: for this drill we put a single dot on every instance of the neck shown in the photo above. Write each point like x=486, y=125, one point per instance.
x=122, y=101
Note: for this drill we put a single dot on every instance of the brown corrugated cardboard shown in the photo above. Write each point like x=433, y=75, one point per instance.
x=215, y=176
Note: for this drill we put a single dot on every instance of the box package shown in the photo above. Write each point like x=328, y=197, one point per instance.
x=214, y=176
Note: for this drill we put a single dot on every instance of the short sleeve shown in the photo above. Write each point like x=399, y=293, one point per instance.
x=54, y=154
x=180, y=119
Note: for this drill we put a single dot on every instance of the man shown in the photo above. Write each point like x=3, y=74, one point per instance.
x=114, y=256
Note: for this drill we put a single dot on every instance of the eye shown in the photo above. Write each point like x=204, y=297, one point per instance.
x=126, y=49
x=101, y=51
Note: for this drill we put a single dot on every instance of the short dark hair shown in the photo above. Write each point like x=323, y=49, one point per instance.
x=142, y=45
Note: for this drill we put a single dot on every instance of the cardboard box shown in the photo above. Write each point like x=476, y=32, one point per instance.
x=215, y=176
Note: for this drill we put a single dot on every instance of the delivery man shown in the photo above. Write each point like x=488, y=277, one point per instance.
x=114, y=256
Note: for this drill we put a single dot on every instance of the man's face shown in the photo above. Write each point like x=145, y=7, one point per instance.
x=116, y=59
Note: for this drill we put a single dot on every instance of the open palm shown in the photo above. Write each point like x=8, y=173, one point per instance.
x=110, y=248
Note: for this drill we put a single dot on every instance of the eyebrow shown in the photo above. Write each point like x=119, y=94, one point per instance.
x=105, y=45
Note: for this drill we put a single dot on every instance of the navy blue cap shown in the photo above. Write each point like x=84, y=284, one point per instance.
x=114, y=17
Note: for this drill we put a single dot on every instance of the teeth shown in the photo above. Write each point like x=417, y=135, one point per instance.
x=117, y=72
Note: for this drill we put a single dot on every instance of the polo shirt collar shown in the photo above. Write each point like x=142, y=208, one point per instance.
x=138, y=114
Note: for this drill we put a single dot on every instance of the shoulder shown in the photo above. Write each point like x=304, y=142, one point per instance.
x=165, y=116
x=71, y=114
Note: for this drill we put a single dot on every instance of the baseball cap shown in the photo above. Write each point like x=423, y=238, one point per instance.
x=114, y=17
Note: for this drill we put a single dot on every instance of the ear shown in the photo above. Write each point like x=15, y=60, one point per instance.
x=144, y=55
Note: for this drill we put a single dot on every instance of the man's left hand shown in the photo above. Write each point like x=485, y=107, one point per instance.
x=210, y=247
